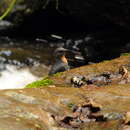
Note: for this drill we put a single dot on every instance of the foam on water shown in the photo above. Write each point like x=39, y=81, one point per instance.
x=12, y=77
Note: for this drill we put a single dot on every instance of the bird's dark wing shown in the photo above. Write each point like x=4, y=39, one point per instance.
x=59, y=67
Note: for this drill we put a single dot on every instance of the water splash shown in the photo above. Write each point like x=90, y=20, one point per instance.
x=12, y=77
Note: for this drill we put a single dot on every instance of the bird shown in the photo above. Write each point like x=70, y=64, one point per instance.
x=61, y=62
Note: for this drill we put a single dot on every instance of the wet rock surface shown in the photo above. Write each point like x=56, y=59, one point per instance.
x=5, y=25
x=100, y=72
x=61, y=108
x=82, y=113
x=106, y=78
x=25, y=109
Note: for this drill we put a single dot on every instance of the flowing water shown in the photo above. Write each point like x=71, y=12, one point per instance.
x=23, y=61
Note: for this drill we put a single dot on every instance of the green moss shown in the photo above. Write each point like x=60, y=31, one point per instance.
x=104, y=61
x=57, y=74
x=40, y=83
x=70, y=105
x=125, y=54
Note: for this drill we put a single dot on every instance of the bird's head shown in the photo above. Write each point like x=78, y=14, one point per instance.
x=60, y=53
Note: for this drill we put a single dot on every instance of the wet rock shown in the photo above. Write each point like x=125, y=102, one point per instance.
x=126, y=121
x=82, y=113
x=78, y=81
x=126, y=127
x=98, y=46
x=58, y=108
x=127, y=118
x=5, y=25
x=100, y=74
x=48, y=108
x=113, y=116
x=105, y=78
x=102, y=79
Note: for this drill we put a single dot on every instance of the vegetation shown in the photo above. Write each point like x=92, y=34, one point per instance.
x=58, y=74
x=125, y=54
x=8, y=9
x=70, y=105
x=40, y=83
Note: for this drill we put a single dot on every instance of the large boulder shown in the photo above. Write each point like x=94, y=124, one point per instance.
x=61, y=106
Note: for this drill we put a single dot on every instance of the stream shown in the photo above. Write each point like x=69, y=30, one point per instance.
x=23, y=61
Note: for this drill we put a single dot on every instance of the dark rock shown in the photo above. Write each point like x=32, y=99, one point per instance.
x=5, y=25
x=96, y=47
x=103, y=45
x=78, y=81
x=82, y=113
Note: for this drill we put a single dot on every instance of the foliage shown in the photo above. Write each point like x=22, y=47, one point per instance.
x=8, y=9
x=12, y=3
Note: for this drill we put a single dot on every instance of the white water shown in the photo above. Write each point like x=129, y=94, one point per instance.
x=12, y=77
